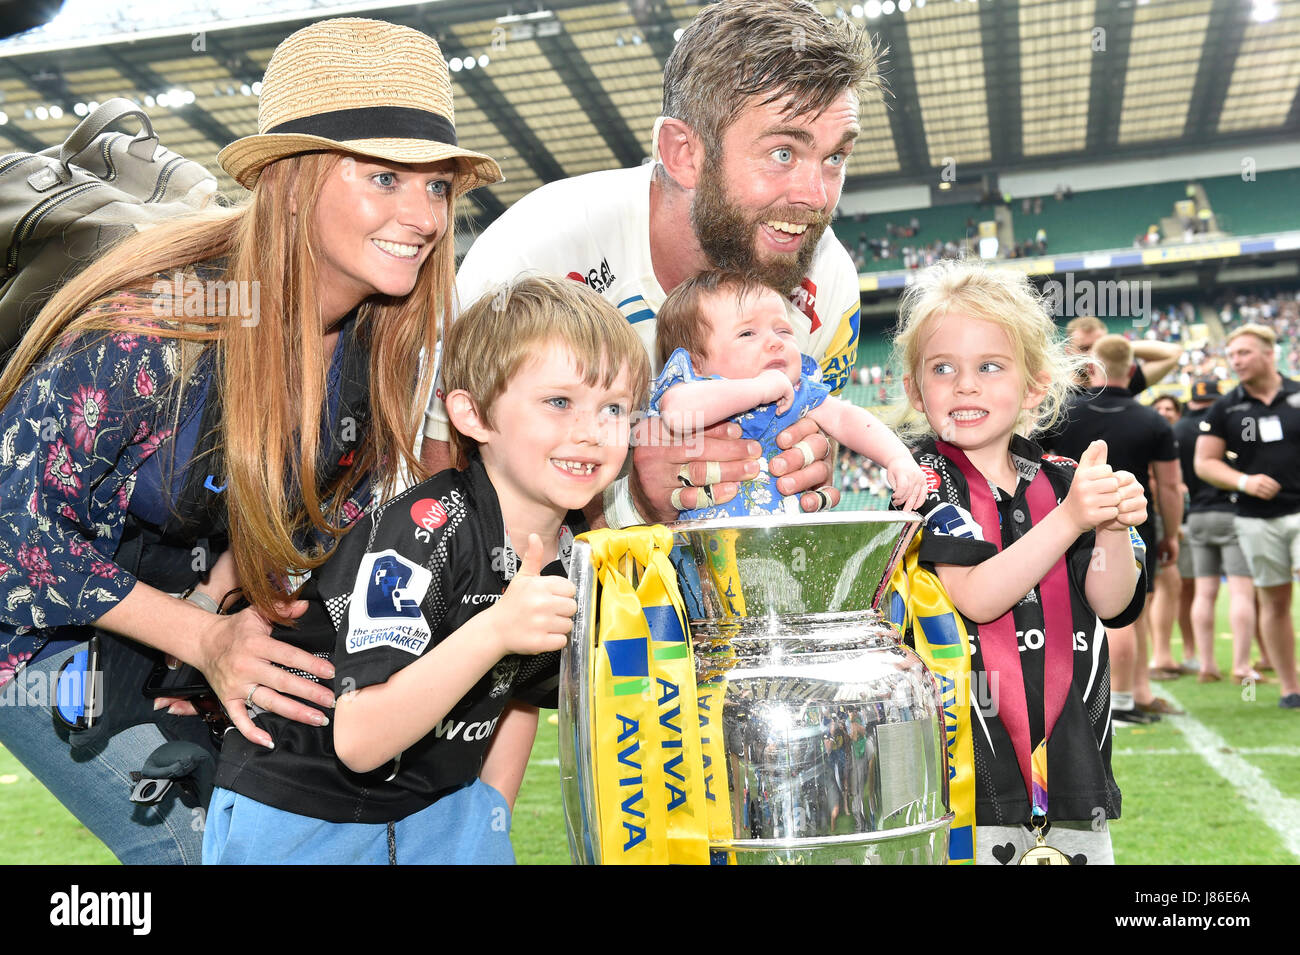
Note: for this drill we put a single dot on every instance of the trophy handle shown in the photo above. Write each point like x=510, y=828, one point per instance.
x=576, y=779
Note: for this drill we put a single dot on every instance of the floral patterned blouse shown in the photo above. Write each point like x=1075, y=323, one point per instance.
x=72, y=442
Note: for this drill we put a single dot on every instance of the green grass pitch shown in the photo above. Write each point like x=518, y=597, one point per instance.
x=1177, y=809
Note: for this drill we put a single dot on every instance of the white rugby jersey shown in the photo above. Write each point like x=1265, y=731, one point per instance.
x=596, y=229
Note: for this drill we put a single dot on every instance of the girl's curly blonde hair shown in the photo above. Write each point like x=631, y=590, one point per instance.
x=1007, y=299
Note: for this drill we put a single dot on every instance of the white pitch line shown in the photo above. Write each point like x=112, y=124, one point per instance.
x=1244, y=751
x=1281, y=813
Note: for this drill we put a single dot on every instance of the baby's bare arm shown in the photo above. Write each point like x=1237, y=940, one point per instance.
x=693, y=405
x=858, y=429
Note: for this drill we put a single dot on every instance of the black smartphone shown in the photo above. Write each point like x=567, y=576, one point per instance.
x=79, y=688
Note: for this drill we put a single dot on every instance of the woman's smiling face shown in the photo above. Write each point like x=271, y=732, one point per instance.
x=376, y=223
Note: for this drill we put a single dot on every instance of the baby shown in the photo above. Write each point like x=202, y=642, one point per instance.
x=728, y=348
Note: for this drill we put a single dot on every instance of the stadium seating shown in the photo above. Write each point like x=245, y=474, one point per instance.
x=1100, y=219
x=1247, y=208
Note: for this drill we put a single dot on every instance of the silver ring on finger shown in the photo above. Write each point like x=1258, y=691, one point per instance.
x=248, y=700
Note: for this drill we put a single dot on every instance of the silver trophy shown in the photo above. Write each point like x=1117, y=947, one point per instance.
x=833, y=730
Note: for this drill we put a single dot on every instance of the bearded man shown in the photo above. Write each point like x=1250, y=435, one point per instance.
x=760, y=114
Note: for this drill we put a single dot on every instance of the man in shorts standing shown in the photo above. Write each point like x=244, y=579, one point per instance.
x=1214, y=550
x=760, y=114
x=1257, y=425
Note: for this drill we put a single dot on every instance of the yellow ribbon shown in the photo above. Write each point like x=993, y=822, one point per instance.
x=652, y=789
x=920, y=608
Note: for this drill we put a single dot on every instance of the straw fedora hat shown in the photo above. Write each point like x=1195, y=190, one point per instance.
x=358, y=86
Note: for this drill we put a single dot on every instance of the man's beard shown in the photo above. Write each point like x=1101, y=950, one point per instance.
x=727, y=235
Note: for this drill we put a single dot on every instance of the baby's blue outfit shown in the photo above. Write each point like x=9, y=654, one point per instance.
x=761, y=424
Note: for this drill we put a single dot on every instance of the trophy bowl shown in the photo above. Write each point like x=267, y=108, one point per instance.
x=832, y=728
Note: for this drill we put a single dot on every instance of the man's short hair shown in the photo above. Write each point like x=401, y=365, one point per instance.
x=680, y=321
x=492, y=339
x=1262, y=332
x=1115, y=352
x=737, y=49
x=1084, y=323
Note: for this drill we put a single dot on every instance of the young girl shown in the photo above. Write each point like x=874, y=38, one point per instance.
x=728, y=350
x=1032, y=550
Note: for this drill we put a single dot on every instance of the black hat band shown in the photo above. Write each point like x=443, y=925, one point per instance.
x=373, y=122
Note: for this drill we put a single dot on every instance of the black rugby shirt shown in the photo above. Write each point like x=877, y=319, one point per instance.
x=408, y=575
x=1202, y=496
x=1078, y=753
x=1265, y=439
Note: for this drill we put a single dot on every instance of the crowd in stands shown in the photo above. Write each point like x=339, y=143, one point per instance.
x=1278, y=311
x=1202, y=358
x=1170, y=323
x=858, y=475
x=897, y=243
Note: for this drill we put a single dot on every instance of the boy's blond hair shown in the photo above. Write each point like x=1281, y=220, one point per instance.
x=680, y=321
x=1007, y=299
x=1115, y=355
x=492, y=339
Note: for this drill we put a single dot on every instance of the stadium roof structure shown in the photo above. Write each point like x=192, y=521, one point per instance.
x=568, y=86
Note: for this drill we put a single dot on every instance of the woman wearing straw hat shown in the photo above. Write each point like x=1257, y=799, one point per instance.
x=258, y=430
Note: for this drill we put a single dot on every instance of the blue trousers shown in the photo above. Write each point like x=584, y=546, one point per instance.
x=468, y=827
x=95, y=784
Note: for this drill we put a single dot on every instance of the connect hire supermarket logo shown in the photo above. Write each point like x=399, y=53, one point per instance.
x=385, y=606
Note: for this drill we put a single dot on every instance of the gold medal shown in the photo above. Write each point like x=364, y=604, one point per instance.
x=1042, y=853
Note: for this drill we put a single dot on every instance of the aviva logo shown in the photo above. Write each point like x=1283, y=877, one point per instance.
x=629, y=665
x=666, y=627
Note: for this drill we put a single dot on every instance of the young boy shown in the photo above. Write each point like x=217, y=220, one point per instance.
x=444, y=609
x=728, y=351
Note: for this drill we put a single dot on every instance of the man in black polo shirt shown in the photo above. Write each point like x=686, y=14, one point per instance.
x=1257, y=427
x=1136, y=438
x=1212, y=544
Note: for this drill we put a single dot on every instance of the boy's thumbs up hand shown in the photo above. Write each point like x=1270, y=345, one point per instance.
x=1094, y=496
x=532, y=565
x=535, y=614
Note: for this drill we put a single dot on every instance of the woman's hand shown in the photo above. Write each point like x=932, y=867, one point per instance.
x=222, y=578
x=238, y=656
